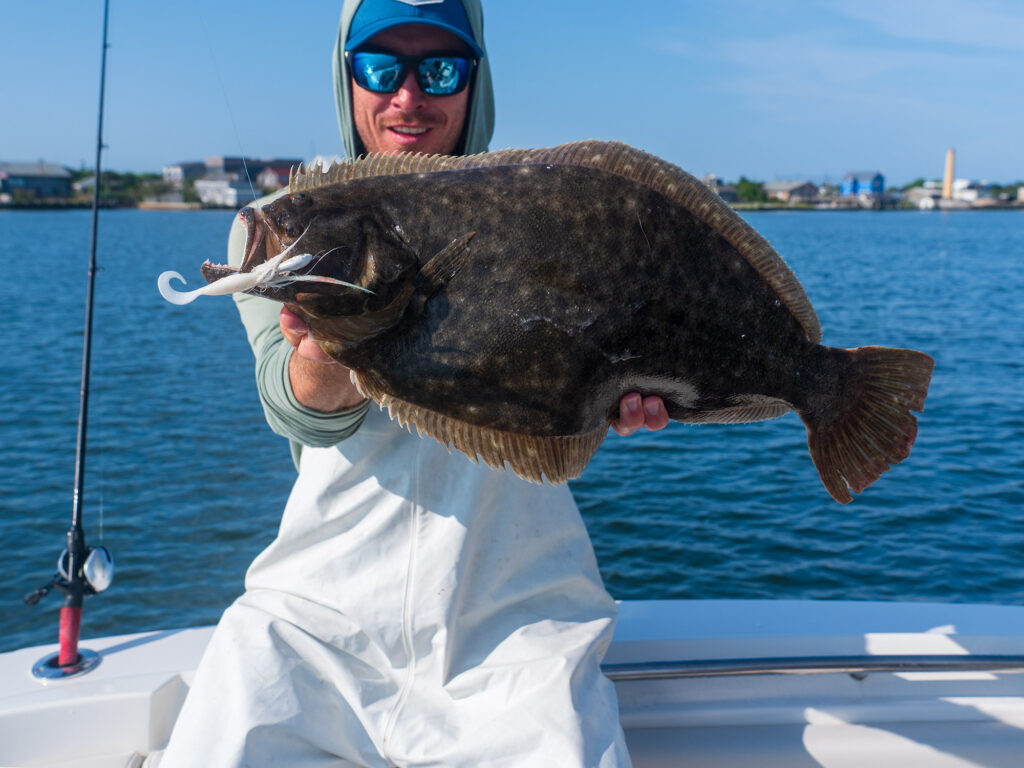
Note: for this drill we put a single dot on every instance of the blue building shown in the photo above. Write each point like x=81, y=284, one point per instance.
x=869, y=183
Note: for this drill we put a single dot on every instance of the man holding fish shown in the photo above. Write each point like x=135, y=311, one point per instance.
x=414, y=609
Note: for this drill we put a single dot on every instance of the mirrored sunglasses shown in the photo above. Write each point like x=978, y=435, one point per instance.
x=436, y=74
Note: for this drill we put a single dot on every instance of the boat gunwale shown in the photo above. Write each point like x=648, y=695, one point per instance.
x=814, y=665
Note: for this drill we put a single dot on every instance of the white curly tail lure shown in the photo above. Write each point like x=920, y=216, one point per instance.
x=271, y=274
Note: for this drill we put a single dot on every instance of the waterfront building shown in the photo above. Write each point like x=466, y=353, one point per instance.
x=971, y=191
x=176, y=175
x=828, y=191
x=224, y=190
x=242, y=165
x=864, y=184
x=791, y=191
x=273, y=177
x=229, y=181
x=33, y=180
x=925, y=197
x=725, y=191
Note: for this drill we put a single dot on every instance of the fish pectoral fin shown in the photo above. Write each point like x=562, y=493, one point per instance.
x=436, y=273
x=535, y=458
x=351, y=330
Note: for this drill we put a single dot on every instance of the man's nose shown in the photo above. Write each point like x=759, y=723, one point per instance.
x=409, y=94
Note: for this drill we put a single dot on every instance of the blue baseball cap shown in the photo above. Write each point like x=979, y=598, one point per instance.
x=375, y=16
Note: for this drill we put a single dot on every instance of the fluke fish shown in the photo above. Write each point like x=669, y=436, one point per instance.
x=503, y=303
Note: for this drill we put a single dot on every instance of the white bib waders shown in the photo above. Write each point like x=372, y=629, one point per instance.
x=414, y=610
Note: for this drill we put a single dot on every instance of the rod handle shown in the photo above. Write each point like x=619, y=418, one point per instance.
x=70, y=624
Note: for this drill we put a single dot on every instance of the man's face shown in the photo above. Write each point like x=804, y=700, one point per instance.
x=409, y=120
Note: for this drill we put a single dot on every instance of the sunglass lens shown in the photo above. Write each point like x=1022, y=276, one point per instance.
x=378, y=72
x=443, y=75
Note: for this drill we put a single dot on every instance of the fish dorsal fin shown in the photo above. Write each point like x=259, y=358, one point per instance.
x=612, y=157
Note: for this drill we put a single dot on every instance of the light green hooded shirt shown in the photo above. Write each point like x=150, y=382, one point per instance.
x=286, y=415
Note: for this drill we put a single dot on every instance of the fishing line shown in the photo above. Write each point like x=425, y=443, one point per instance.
x=227, y=102
x=100, y=408
x=325, y=254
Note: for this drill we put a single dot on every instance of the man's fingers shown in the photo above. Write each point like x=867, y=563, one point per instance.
x=636, y=412
x=631, y=415
x=655, y=415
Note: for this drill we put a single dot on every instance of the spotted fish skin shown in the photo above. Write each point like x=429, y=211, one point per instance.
x=560, y=309
x=513, y=304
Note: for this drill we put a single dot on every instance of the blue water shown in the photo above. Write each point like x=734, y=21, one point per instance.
x=185, y=483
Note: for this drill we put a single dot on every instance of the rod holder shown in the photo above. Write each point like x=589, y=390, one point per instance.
x=48, y=668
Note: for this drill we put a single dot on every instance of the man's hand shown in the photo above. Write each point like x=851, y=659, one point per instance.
x=318, y=381
x=636, y=412
x=296, y=333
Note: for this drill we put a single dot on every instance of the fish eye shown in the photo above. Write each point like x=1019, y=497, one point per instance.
x=286, y=224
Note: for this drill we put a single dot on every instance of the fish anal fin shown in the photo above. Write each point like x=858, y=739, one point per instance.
x=436, y=273
x=533, y=458
x=873, y=428
x=746, y=410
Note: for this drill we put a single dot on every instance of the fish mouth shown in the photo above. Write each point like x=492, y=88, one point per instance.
x=277, y=271
x=256, y=235
x=255, y=252
x=260, y=240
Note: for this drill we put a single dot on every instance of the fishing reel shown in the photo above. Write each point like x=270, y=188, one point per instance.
x=97, y=573
x=98, y=569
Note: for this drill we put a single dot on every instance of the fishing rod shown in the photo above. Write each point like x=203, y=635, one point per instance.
x=81, y=570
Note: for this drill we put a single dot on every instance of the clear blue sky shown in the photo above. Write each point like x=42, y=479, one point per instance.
x=772, y=89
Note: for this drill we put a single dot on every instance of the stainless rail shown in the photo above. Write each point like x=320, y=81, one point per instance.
x=813, y=665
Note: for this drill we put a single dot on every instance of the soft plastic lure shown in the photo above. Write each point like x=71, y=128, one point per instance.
x=273, y=273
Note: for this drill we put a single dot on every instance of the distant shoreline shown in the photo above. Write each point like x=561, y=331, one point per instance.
x=57, y=205
x=760, y=207
x=150, y=206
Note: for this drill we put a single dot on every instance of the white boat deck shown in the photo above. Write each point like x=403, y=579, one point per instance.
x=702, y=683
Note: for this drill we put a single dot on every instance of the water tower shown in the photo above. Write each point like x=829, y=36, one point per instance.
x=947, y=179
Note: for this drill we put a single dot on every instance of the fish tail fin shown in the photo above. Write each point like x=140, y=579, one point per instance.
x=869, y=427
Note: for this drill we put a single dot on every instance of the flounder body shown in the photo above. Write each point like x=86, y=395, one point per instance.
x=504, y=303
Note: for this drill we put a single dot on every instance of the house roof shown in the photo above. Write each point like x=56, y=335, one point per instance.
x=863, y=175
x=280, y=170
x=785, y=186
x=51, y=170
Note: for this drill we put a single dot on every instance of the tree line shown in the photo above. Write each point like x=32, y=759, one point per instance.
x=125, y=188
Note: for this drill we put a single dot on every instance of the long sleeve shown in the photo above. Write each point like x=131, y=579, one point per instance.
x=284, y=413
